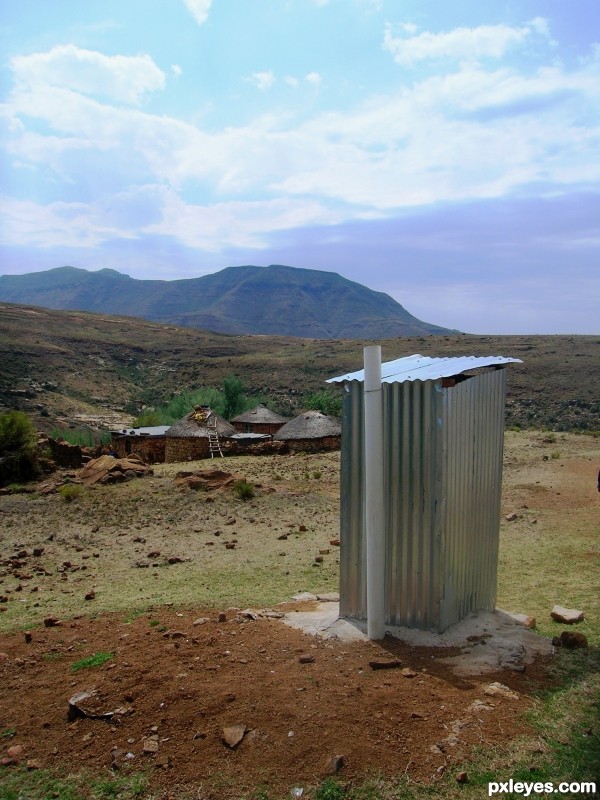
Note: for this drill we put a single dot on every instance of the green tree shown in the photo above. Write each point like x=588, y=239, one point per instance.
x=327, y=401
x=235, y=399
x=18, y=440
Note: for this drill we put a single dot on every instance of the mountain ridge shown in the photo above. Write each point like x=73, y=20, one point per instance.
x=272, y=300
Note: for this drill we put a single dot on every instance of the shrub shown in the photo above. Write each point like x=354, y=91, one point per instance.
x=243, y=490
x=70, y=492
x=17, y=448
x=555, y=454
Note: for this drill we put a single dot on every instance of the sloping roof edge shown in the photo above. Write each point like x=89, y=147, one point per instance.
x=425, y=368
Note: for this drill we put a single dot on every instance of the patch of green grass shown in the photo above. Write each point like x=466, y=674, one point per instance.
x=555, y=454
x=91, y=661
x=8, y=733
x=70, y=492
x=133, y=615
x=126, y=787
x=330, y=789
x=18, y=783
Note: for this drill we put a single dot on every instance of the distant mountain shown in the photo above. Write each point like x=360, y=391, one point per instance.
x=275, y=300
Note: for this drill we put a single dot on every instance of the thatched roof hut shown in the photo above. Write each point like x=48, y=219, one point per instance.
x=259, y=420
x=260, y=415
x=195, y=425
x=188, y=439
x=311, y=430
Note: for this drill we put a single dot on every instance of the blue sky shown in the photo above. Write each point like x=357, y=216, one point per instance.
x=447, y=153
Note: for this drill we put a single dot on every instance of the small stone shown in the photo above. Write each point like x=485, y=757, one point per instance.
x=222, y=617
x=302, y=528
x=568, y=616
x=150, y=745
x=306, y=659
x=233, y=735
x=15, y=751
x=90, y=595
x=230, y=545
x=28, y=637
x=386, y=664
x=462, y=777
x=154, y=554
x=175, y=560
x=283, y=537
x=408, y=672
x=324, y=551
x=416, y=715
x=334, y=765
x=511, y=517
x=38, y=551
x=33, y=763
x=334, y=542
x=500, y=690
x=200, y=621
x=318, y=559
x=51, y=622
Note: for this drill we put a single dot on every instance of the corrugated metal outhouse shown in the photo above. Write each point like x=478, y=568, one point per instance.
x=443, y=427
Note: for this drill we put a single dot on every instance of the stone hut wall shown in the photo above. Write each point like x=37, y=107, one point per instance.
x=190, y=448
x=314, y=445
x=151, y=449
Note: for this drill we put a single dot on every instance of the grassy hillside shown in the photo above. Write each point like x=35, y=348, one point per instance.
x=57, y=364
x=264, y=300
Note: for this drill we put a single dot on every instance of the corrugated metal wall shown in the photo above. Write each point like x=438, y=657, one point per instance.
x=443, y=470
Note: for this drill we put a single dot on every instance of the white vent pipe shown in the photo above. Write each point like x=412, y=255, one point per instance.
x=374, y=496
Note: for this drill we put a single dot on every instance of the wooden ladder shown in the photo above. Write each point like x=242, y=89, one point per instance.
x=213, y=437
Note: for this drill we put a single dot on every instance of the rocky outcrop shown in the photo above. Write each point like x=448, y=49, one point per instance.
x=108, y=469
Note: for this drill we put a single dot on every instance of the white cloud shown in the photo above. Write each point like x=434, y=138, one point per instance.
x=176, y=70
x=198, y=9
x=485, y=41
x=474, y=133
x=313, y=78
x=119, y=78
x=262, y=80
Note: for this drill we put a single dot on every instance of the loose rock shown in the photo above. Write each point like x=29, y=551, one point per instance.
x=233, y=735
x=568, y=616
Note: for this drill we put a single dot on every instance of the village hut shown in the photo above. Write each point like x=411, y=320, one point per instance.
x=259, y=420
x=198, y=435
x=310, y=432
x=147, y=443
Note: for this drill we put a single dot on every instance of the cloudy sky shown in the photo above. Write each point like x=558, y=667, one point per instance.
x=447, y=153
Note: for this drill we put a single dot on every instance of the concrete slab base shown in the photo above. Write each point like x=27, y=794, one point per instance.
x=488, y=641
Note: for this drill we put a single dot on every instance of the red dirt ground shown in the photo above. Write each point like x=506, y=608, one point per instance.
x=183, y=689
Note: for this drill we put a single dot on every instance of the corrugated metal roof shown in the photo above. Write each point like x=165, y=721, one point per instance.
x=156, y=430
x=424, y=368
